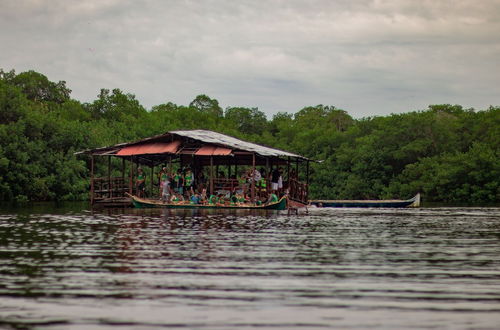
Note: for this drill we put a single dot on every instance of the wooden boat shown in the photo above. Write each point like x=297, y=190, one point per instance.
x=389, y=203
x=149, y=203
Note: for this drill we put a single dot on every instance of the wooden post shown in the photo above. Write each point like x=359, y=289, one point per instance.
x=131, y=177
x=288, y=173
x=122, y=182
x=268, y=174
x=252, y=189
x=151, y=184
x=229, y=176
x=211, y=175
x=110, y=186
x=307, y=180
x=297, y=169
x=92, y=180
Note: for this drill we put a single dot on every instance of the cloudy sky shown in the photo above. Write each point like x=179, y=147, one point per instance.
x=366, y=57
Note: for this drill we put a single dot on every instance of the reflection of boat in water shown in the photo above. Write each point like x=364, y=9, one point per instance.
x=149, y=203
x=388, y=203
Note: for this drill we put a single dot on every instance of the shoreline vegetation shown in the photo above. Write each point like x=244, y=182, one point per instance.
x=447, y=153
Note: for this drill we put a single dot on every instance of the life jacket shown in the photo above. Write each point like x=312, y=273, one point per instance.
x=212, y=199
x=188, y=180
x=274, y=198
x=263, y=183
x=177, y=180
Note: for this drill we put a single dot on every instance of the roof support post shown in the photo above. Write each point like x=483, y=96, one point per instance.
x=211, y=175
x=92, y=180
x=288, y=173
x=131, y=176
x=122, y=182
x=151, y=182
x=110, y=186
x=297, y=169
x=268, y=172
x=252, y=189
x=307, y=181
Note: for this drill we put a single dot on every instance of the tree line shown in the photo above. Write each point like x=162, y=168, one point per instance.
x=446, y=152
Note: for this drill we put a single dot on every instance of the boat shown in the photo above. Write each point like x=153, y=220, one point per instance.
x=207, y=154
x=151, y=203
x=388, y=203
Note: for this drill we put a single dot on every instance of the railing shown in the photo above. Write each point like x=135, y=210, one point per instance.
x=298, y=191
x=105, y=188
x=225, y=184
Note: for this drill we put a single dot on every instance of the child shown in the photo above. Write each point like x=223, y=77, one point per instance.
x=194, y=199
x=165, y=193
x=203, y=196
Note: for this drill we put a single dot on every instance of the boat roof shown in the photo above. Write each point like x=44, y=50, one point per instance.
x=193, y=142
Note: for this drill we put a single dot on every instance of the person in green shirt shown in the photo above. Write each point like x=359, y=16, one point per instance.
x=188, y=182
x=272, y=198
x=140, y=183
x=212, y=200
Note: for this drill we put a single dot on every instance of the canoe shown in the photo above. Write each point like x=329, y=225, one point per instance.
x=389, y=203
x=149, y=203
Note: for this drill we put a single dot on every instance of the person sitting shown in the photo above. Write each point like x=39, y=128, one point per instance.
x=194, y=199
x=241, y=199
x=221, y=199
x=273, y=198
x=203, y=196
x=177, y=198
x=234, y=200
x=212, y=200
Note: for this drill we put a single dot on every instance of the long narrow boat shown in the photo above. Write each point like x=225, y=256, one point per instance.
x=149, y=203
x=389, y=203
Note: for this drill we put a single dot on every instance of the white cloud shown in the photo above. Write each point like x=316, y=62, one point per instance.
x=368, y=57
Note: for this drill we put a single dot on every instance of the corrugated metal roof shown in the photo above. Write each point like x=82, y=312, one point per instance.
x=234, y=143
x=204, y=136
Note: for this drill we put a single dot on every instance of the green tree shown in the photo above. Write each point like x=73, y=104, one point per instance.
x=207, y=105
x=247, y=120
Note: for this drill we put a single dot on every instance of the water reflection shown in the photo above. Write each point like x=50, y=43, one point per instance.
x=250, y=268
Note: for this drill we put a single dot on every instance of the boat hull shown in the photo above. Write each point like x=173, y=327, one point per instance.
x=412, y=202
x=146, y=203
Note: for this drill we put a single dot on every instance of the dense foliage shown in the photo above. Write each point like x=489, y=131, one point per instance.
x=447, y=153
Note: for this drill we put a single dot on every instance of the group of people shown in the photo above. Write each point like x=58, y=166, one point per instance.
x=181, y=186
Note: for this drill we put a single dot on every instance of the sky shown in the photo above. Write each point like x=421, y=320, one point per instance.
x=368, y=58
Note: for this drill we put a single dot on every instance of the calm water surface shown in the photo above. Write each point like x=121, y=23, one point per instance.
x=428, y=268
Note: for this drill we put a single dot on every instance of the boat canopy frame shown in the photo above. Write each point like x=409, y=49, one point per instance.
x=190, y=148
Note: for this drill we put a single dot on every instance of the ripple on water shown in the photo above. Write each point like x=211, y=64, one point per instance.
x=332, y=267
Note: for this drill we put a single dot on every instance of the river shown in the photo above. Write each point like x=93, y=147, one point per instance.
x=73, y=268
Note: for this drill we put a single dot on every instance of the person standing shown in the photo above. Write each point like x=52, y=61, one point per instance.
x=178, y=182
x=140, y=183
x=188, y=182
x=275, y=178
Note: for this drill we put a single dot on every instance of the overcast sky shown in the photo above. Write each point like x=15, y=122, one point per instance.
x=366, y=57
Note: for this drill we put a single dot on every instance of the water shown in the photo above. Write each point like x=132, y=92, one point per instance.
x=428, y=268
